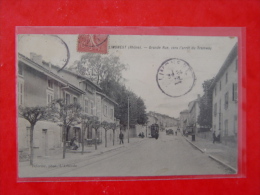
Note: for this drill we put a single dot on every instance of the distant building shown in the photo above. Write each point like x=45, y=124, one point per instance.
x=184, y=116
x=194, y=111
x=162, y=120
x=225, y=97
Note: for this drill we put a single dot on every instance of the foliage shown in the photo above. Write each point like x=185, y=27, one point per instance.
x=113, y=126
x=95, y=123
x=65, y=115
x=99, y=68
x=205, y=104
x=34, y=114
x=107, y=72
x=105, y=125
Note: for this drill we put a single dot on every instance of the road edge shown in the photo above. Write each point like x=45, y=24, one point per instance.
x=211, y=156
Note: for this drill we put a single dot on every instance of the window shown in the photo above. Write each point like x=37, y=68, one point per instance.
x=89, y=88
x=215, y=109
x=226, y=127
x=105, y=110
x=28, y=136
x=235, y=124
x=20, y=70
x=234, y=98
x=50, y=97
x=75, y=100
x=215, y=90
x=219, y=85
x=50, y=84
x=67, y=98
x=111, y=113
x=92, y=107
x=226, y=100
x=226, y=77
x=86, y=106
x=20, y=92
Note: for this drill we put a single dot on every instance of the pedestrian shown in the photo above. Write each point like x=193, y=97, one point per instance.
x=121, y=137
x=214, y=137
x=176, y=132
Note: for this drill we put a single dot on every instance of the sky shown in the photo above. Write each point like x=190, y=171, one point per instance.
x=144, y=54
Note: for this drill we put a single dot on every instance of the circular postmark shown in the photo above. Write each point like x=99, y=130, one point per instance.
x=52, y=48
x=175, y=77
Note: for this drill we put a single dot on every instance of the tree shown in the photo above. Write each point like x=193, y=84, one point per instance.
x=99, y=68
x=86, y=123
x=106, y=126
x=113, y=126
x=120, y=94
x=106, y=71
x=95, y=124
x=65, y=115
x=205, y=104
x=33, y=115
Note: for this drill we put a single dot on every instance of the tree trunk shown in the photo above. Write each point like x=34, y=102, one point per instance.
x=105, y=138
x=113, y=137
x=31, y=144
x=64, y=129
x=82, y=140
x=95, y=139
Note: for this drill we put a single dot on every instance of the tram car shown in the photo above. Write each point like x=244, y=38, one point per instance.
x=155, y=131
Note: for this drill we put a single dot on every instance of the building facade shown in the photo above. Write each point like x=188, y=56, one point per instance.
x=194, y=111
x=225, y=97
x=39, y=83
x=184, y=115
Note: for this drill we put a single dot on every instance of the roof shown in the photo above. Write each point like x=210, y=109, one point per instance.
x=193, y=104
x=75, y=74
x=47, y=72
x=105, y=96
x=231, y=56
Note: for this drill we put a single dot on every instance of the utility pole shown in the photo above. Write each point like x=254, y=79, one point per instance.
x=128, y=118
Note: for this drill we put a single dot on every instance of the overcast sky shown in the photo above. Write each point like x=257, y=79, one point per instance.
x=143, y=63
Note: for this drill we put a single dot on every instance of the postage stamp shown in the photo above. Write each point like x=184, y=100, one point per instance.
x=93, y=43
x=136, y=105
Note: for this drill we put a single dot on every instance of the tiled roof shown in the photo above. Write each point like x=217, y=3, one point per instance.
x=227, y=63
x=48, y=72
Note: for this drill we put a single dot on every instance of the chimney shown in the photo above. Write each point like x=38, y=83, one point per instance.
x=36, y=58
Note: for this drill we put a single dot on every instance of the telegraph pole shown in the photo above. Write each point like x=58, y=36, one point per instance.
x=128, y=118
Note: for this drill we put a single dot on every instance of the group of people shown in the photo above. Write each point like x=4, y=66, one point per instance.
x=141, y=135
x=74, y=144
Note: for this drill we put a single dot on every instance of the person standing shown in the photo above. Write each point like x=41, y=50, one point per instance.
x=121, y=137
x=214, y=137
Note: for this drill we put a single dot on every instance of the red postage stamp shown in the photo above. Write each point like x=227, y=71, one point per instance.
x=94, y=43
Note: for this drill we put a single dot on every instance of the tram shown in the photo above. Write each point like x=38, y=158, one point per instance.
x=155, y=131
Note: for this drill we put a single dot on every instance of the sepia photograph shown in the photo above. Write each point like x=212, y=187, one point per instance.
x=109, y=105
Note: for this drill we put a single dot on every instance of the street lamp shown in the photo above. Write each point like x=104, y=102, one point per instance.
x=128, y=117
x=146, y=127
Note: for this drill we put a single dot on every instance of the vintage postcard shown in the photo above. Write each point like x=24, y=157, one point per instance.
x=127, y=105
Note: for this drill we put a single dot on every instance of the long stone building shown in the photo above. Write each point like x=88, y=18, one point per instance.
x=225, y=98
x=38, y=84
